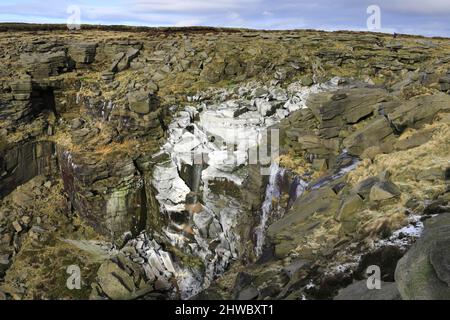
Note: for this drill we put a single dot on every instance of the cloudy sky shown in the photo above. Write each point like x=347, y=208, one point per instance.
x=425, y=17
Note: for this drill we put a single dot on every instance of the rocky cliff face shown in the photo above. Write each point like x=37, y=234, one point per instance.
x=130, y=153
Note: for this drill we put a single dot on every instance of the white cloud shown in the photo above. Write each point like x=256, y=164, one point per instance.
x=427, y=7
x=191, y=5
x=428, y=17
x=188, y=23
x=233, y=16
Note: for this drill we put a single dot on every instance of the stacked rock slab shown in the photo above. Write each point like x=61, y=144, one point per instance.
x=82, y=53
x=317, y=130
x=110, y=195
x=46, y=64
x=18, y=104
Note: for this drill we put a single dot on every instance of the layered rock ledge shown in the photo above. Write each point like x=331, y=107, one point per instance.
x=118, y=154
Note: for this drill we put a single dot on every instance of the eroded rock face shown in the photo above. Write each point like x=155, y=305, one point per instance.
x=23, y=162
x=347, y=106
x=375, y=134
x=115, y=282
x=423, y=273
x=83, y=53
x=46, y=64
x=317, y=130
x=419, y=110
x=110, y=195
x=28, y=99
x=329, y=200
x=127, y=114
x=142, y=102
x=321, y=201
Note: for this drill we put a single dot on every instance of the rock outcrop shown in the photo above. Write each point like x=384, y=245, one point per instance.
x=109, y=195
x=132, y=155
x=82, y=53
x=423, y=273
x=23, y=162
x=359, y=291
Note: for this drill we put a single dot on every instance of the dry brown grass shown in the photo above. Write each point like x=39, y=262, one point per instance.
x=126, y=146
x=405, y=167
x=294, y=162
x=41, y=265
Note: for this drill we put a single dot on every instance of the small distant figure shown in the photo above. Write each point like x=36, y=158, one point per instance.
x=395, y=35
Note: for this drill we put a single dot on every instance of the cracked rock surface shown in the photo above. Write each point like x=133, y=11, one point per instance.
x=129, y=153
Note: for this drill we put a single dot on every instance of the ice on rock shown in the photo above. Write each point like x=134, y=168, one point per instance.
x=149, y=272
x=187, y=143
x=223, y=160
x=189, y=283
x=272, y=192
x=155, y=244
x=167, y=261
x=176, y=239
x=175, y=134
x=165, y=171
x=192, y=111
x=263, y=106
x=202, y=221
x=406, y=235
x=227, y=128
x=225, y=136
x=212, y=173
x=154, y=261
x=182, y=122
x=172, y=190
x=234, y=112
x=279, y=94
x=282, y=113
x=293, y=104
x=300, y=94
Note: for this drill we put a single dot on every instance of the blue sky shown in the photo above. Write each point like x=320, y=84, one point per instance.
x=425, y=17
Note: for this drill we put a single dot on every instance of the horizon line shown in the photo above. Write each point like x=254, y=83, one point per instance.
x=15, y=26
